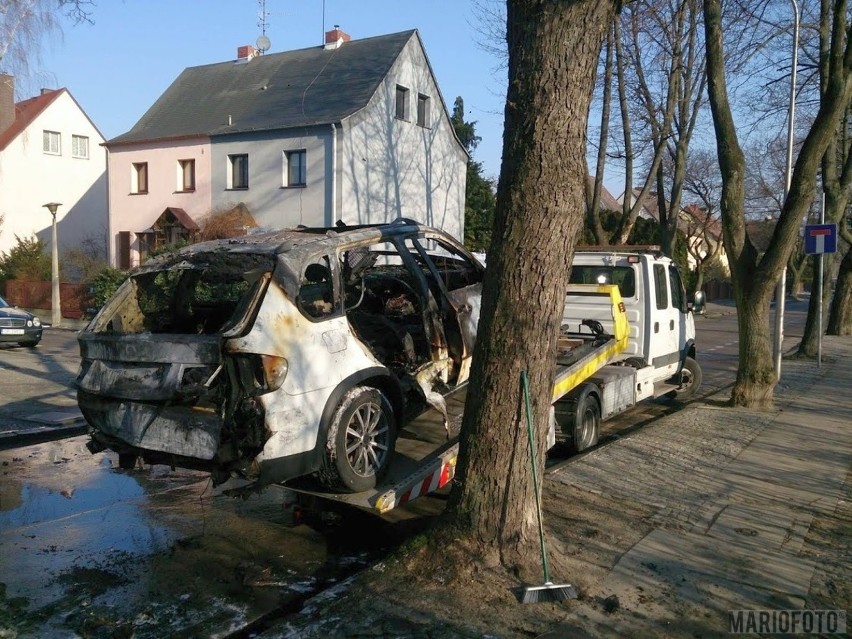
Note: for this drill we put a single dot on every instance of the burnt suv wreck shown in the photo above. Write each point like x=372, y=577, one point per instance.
x=282, y=354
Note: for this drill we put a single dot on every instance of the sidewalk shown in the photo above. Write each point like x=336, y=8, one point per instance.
x=751, y=513
x=663, y=532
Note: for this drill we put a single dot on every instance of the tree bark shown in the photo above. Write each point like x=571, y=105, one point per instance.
x=810, y=337
x=553, y=52
x=840, y=315
x=594, y=203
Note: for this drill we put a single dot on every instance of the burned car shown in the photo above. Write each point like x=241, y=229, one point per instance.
x=282, y=354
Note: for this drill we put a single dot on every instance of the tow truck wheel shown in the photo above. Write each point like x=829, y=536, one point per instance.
x=690, y=381
x=587, y=420
x=361, y=440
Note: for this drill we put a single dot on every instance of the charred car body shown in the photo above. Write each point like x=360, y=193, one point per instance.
x=283, y=354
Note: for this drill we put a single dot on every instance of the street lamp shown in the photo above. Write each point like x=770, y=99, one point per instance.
x=780, y=289
x=56, y=310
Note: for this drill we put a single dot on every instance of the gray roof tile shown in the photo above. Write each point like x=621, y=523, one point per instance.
x=274, y=91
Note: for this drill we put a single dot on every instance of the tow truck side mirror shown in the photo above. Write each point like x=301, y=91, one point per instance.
x=698, y=303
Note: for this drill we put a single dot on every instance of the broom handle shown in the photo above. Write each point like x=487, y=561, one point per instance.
x=525, y=386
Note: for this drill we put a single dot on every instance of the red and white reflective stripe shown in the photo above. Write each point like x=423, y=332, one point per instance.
x=441, y=477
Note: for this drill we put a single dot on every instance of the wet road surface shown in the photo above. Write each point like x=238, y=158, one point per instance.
x=91, y=550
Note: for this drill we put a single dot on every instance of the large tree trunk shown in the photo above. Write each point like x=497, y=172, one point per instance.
x=810, y=337
x=840, y=315
x=754, y=280
x=553, y=51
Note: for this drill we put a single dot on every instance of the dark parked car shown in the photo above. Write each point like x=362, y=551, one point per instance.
x=16, y=325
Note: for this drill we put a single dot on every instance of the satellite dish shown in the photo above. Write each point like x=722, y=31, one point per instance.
x=263, y=43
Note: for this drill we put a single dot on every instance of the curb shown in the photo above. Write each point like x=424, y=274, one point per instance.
x=19, y=439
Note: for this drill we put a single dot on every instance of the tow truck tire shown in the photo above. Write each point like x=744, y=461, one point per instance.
x=361, y=440
x=587, y=420
x=691, y=381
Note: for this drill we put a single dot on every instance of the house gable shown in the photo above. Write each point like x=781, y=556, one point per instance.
x=71, y=170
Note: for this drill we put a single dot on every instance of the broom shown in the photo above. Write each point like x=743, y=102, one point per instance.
x=547, y=591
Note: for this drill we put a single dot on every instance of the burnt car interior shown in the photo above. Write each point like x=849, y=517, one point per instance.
x=200, y=295
x=396, y=302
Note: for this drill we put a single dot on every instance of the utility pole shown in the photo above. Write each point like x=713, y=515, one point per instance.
x=55, y=303
x=781, y=289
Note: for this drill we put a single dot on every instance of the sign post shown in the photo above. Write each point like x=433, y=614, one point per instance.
x=820, y=239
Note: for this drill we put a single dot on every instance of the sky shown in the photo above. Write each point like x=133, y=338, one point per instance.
x=117, y=67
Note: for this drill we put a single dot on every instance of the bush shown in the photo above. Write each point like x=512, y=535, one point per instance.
x=25, y=261
x=100, y=287
x=223, y=224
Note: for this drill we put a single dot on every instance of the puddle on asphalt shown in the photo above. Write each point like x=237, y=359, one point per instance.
x=89, y=550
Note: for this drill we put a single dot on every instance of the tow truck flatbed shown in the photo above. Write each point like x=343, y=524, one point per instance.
x=425, y=458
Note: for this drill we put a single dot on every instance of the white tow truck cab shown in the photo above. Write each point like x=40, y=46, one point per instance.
x=660, y=356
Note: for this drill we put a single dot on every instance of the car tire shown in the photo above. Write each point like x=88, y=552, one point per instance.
x=587, y=420
x=361, y=440
x=32, y=344
x=690, y=381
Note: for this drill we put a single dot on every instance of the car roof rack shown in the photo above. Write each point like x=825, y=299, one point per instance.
x=620, y=248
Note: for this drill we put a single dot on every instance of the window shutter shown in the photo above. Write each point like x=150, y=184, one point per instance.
x=124, y=250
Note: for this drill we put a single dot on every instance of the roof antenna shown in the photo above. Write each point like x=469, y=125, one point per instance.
x=322, y=39
x=263, y=43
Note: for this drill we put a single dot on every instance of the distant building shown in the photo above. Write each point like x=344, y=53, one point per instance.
x=50, y=151
x=354, y=131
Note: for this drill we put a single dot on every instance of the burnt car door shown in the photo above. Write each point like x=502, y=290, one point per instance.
x=454, y=280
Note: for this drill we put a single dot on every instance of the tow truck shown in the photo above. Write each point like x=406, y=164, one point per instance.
x=425, y=458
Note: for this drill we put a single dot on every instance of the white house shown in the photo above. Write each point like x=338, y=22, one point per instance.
x=354, y=131
x=50, y=151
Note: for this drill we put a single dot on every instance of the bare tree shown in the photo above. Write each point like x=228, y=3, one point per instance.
x=24, y=24
x=837, y=187
x=553, y=51
x=702, y=224
x=754, y=277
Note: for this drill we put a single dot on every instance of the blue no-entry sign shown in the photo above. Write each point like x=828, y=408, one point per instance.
x=820, y=238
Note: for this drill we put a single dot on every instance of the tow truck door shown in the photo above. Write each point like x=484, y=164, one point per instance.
x=667, y=322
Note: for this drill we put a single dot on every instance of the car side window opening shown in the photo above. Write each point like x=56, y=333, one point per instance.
x=316, y=289
x=661, y=286
x=384, y=304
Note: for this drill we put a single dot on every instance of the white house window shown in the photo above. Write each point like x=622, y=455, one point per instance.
x=52, y=143
x=186, y=175
x=80, y=146
x=423, y=110
x=401, y=103
x=139, y=178
x=295, y=168
x=238, y=176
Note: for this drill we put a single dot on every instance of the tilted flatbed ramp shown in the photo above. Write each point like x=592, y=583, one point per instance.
x=425, y=458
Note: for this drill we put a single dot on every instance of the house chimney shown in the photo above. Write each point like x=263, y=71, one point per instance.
x=336, y=37
x=246, y=53
x=7, y=101
x=46, y=91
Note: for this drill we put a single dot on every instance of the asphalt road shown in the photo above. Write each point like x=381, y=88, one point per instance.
x=717, y=353
x=38, y=398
